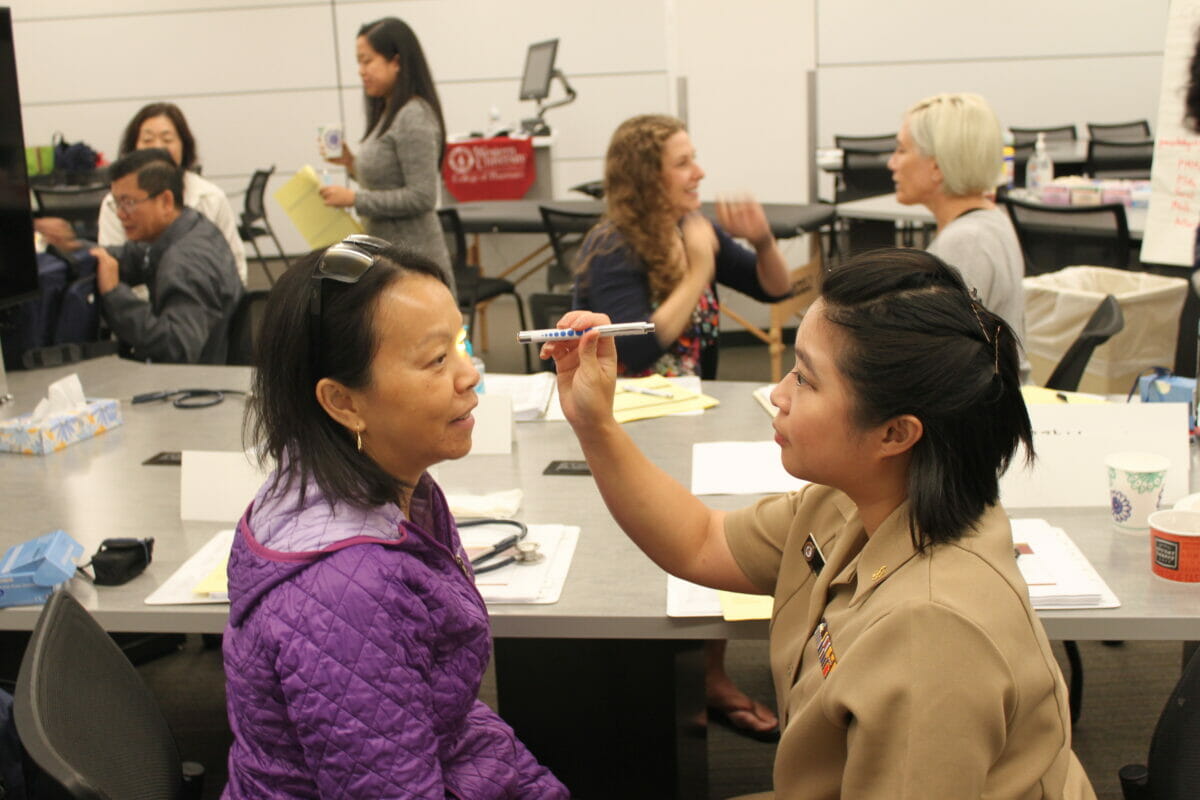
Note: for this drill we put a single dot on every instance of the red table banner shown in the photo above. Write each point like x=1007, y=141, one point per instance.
x=489, y=169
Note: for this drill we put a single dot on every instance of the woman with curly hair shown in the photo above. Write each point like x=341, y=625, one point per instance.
x=654, y=258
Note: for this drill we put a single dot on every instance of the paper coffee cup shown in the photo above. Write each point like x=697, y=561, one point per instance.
x=1135, y=486
x=1175, y=545
x=330, y=137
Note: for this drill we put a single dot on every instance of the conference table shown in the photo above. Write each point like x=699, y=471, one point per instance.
x=602, y=685
x=1069, y=157
x=887, y=207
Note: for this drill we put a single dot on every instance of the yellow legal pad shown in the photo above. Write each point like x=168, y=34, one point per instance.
x=736, y=606
x=216, y=584
x=1037, y=394
x=629, y=404
x=319, y=224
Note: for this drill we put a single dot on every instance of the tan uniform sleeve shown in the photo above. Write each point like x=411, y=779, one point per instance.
x=925, y=696
x=757, y=535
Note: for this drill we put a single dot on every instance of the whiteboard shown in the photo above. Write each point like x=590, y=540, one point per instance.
x=1175, y=175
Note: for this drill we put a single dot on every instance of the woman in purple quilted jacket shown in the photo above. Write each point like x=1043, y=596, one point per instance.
x=356, y=639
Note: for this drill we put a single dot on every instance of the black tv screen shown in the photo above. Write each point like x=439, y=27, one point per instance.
x=18, y=264
x=539, y=69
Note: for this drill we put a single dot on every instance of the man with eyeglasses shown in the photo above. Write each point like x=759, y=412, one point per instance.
x=182, y=258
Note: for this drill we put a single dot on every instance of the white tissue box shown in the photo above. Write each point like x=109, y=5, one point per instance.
x=18, y=435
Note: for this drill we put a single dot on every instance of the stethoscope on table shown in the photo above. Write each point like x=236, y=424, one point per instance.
x=187, y=398
x=523, y=552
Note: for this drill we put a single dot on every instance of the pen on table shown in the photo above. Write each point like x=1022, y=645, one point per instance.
x=1062, y=397
x=554, y=334
x=646, y=391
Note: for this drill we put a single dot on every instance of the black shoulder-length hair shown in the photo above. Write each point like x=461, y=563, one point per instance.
x=129, y=138
x=283, y=417
x=918, y=343
x=393, y=38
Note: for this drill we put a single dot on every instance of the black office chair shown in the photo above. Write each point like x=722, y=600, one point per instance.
x=1134, y=131
x=254, y=222
x=864, y=174
x=1120, y=159
x=243, y=327
x=883, y=143
x=473, y=286
x=566, y=230
x=1053, y=237
x=1106, y=322
x=594, y=189
x=1172, y=769
x=1054, y=133
x=86, y=718
x=78, y=205
x=546, y=310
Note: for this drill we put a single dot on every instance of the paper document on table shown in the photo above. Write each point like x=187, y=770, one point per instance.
x=763, y=395
x=736, y=606
x=687, y=599
x=740, y=468
x=1071, y=441
x=1058, y=574
x=319, y=224
x=655, y=396
x=531, y=394
x=537, y=583
x=181, y=587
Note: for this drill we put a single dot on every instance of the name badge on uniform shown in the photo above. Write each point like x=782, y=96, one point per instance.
x=825, y=655
x=813, y=555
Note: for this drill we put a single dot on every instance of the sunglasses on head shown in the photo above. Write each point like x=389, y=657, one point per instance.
x=345, y=262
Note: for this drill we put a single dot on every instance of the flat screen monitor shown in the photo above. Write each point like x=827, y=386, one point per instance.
x=539, y=68
x=18, y=263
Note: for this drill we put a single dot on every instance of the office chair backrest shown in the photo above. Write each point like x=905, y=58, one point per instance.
x=243, y=327
x=1172, y=770
x=1055, y=133
x=882, y=143
x=1120, y=159
x=466, y=278
x=1136, y=130
x=864, y=174
x=1053, y=237
x=545, y=311
x=85, y=716
x=566, y=230
x=1106, y=321
x=255, y=208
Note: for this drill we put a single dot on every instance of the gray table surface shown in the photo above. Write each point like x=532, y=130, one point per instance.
x=887, y=207
x=522, y=216
x=99, y=488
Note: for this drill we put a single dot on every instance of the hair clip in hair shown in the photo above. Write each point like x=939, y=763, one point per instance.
x=994, y=339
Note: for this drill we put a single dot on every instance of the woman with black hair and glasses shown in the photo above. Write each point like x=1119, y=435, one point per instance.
x=907, y=659
x=356, y=639
x=398, y=163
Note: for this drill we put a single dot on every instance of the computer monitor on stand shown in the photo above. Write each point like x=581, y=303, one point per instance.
x=535, y=85
x=18, y=262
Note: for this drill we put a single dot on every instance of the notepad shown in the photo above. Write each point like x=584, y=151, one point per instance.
x=319, y=224
x=1057, y=572
x=630, y=403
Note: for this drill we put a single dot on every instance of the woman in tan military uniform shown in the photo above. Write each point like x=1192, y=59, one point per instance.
x=907, y=659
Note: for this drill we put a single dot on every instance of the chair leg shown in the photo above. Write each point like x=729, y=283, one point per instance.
x=1075, y=697
x=258, y=256
x=286, y=263
x=524, y=326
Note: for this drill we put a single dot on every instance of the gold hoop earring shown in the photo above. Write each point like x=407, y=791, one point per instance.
x=358, y=439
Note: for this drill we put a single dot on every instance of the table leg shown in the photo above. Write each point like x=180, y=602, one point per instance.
x=610, y=717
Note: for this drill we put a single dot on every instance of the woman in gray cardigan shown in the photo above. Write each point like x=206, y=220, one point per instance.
x=401, y=153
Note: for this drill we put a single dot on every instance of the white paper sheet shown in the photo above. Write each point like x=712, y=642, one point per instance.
x=538, y=583
x=740, y=468
x=687, y=599
x=178, y=589
x=216, y=486
x=1071, y=441
x=493, y=434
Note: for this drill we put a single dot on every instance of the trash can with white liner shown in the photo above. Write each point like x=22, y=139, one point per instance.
x=1058, y=304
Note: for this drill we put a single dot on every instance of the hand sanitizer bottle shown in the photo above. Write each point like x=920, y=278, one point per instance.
x=1040, y=169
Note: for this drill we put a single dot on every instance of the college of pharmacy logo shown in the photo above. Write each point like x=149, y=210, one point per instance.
x=461, y=160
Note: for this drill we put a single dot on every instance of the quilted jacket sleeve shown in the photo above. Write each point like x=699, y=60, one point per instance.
x=354, y=679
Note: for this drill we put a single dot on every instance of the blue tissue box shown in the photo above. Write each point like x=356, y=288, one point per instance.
x=18, y=435
x=29, y=571
x=1169, y=389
